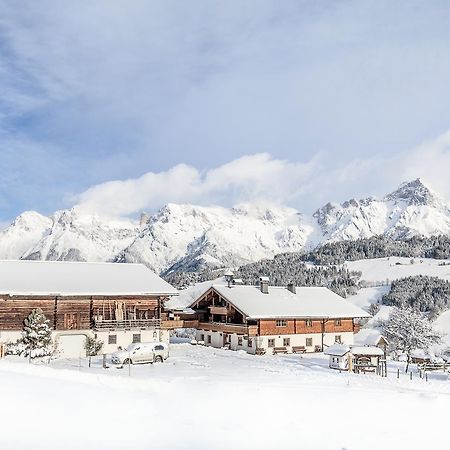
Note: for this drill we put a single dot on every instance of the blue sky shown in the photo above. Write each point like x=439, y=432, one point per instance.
x=347, y=98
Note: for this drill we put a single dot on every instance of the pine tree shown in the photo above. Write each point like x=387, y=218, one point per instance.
x=408, y=329
x=93, y=347
x=37, y=334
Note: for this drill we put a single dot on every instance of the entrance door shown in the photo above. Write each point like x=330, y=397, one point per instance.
x=71, y=321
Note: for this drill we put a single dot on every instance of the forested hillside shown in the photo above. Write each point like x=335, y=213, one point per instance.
x=427, y=294
x=437, y=247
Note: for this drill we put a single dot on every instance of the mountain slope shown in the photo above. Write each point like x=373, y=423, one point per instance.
x=411, y=210
x=186, y=237
x=190, y=238
x=75, y=236
x=26, y=230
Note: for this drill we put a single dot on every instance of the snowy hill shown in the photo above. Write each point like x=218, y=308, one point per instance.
x=413, y=209
x=182, y=237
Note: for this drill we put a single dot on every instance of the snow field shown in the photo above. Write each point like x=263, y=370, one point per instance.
x=204, y=398
x=382, y=269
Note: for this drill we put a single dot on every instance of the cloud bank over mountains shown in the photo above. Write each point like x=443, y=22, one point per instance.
x=263, y=178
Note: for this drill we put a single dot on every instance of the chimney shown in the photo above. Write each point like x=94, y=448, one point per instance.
x=264, y=284
x=291, y=287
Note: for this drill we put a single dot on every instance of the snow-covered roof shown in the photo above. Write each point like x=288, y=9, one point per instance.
x=337, y=350
x=369, y=350
x=279, y=302
x=368, y=336
x=80, y=278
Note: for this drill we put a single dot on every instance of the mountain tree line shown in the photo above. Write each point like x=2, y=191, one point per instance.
x=436, y=247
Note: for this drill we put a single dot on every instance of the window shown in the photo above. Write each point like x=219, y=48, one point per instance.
x=239, y=340
x=159, y=347
x=281, y=323
x=202, y=337
x=136, y=338
x=309, y=342
x=112, y=339
x=271, y=343
x=286, y=342
x=250, y=342
x=337, y=322
x=209, y=339
x=308, y=322
x=337, y=339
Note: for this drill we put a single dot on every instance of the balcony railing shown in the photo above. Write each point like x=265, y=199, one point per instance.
x=127, y=324
x=250, y=330
x=222, y=310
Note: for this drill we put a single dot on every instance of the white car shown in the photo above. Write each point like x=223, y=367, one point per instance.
x=141, y=353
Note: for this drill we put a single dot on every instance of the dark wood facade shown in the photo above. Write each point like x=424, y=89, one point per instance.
x=78, y=312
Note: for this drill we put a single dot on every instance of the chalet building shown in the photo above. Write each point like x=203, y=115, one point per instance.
x=268, y=319
x=118, y=303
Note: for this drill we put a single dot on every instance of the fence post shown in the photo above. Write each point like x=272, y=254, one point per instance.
x=104, y=360
x=398, y=373
x=129, y=364
x=426, y=376
x=410, y=375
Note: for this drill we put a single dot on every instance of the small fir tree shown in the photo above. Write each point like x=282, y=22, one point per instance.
x=37, y=334
x=408, y=329
x=93, y=347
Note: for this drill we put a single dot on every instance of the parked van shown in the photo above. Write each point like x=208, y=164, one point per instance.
x=141, y=353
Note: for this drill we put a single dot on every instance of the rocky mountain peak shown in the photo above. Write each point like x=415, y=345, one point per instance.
x=414, y=193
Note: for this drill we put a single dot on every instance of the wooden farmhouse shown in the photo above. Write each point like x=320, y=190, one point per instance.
x=118, y=303
x=268, y=319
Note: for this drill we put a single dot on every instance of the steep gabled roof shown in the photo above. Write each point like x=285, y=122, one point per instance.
x=80, y=278
x=279, y=302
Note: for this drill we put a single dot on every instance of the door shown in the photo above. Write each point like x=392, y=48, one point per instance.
x=71, y=321
x=72, y=346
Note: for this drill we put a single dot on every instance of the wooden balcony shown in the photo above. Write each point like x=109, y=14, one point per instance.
x=127, y=324
x=250, y=330
x=178, y=323
x=222, y=310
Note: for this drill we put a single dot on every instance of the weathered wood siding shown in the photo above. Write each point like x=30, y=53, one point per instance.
x=14, y=310
x=346, y=325
x=299, y=326
x=75, y=312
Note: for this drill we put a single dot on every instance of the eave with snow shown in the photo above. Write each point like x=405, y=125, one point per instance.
x=273, y=319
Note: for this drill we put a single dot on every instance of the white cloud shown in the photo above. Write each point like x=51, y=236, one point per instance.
x=431, y=162
x=260, y=177
x=249, y=178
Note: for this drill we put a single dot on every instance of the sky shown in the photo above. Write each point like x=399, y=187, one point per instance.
x=126, y=105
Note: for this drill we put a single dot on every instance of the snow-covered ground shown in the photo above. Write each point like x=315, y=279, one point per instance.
x=382, y=270
x=204, y=398
x=366, y=296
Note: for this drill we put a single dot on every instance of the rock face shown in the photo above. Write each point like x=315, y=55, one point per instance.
x=187, y=237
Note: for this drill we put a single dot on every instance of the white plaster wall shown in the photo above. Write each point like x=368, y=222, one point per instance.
x=296, y=340
x=9, y=336
x=125, y=338
x=71, y=343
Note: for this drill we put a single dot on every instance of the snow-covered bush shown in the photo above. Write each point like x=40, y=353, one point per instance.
x=407, y=330
x=36, y=340
x=93, y=347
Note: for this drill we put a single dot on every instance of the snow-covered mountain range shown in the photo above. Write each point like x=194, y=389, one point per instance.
x=187, y=237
